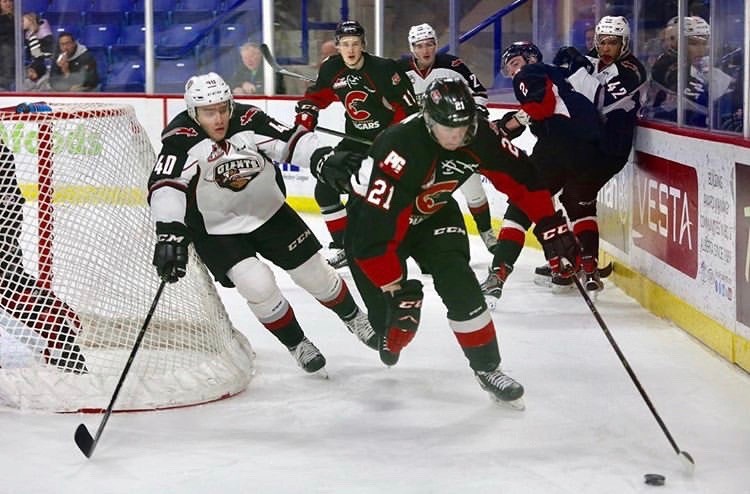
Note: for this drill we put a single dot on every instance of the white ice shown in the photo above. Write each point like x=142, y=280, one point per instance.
x=425, y=426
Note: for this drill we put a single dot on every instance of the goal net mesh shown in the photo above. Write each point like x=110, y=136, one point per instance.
x=76, y=245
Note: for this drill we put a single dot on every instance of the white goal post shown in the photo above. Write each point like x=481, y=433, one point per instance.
x=76, y=279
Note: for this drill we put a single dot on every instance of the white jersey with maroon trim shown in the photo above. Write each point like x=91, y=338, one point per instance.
x=226, y=187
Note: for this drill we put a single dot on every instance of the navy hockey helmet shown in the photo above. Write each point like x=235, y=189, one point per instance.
x=449, y=102
x=525, y=49
x=350, y=28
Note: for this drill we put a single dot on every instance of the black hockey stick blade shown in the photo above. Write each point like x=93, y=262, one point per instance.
x=266, y=51
x=82, y=436
x=84, y=440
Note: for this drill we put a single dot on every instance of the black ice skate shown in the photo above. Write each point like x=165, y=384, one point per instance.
x=489, y=237
x=493, y=285
x=501, y=388
x=590, y=275
x=308, y=356
x=360, y=326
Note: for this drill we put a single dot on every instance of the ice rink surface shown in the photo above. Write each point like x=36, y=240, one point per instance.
x=425, y=426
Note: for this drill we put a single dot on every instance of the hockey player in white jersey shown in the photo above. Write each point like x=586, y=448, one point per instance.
x=426, y=65
x=214, y=184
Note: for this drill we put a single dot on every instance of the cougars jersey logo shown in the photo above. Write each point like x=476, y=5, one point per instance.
x=435, y=197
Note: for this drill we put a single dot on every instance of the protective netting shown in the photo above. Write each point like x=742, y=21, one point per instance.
x=76, y=242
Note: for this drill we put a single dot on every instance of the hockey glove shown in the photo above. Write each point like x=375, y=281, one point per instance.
x=508, y=126
x=403, y=310
x=335, y=168
x=171, y=251
x=560, y=245
x=570, y=59
x=307, y=115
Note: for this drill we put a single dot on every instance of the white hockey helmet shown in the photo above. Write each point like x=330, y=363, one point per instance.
x=204, y=90
x=696, y=27
x=613, y=25
x=421, y=33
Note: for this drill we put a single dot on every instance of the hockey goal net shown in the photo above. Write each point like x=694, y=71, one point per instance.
x=76, y=280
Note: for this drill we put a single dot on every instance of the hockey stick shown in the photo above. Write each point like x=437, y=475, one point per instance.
x=360, y=140
x=684, y=455
x=85, y=442
x=266, y=51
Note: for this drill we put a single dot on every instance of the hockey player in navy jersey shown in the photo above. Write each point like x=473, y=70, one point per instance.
x=375, y=93
x=401, y=205
x=214, y=185
x=568, y=155
x=424, y=66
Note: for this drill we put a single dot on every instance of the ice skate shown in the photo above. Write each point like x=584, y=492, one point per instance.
x=590, y=276
x=360, y=326
x=391, y=344
x=68, y=358
x=489, y=237
x=338, y=257
x=493, y=285
x=501, y=388
x=309, y=357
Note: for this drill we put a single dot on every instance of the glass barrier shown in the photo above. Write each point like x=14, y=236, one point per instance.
x=192, y=36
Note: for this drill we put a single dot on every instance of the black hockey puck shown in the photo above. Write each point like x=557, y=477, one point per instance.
x=654, y=479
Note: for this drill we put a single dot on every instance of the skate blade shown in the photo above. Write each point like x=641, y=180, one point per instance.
x=491, y=302
x=517, y=404
x=321, y=373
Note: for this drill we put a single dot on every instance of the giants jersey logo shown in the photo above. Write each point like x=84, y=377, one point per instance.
x=235, y=174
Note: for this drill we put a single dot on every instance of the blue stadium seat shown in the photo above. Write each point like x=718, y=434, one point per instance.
x=126, y=77
x=72, y=28
x=99, y=36
x=181, y=40
x=231, y=35
x=60, y=12
x=171, y=75
x=190, y=11
x=130, y=44
x=38, y=6
x=162, y=13
x=108, y=11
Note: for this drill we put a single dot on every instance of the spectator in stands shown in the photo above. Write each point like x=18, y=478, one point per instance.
x=248, y=78
x=7, y=45
x=38, y=37
x=327, y=48
x=75, y=68
x=700, y=76
x=37, y=78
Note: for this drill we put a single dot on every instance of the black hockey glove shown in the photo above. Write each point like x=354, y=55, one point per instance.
x=307, y=115
x=171, y=250
x=570, y=59
x=502, y=126
x=335, y=168
x=403, y=310
x=560, y=245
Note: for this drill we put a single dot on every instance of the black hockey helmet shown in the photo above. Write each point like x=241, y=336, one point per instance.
x=449, y=102
x=526, y=49
x=350, y=28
